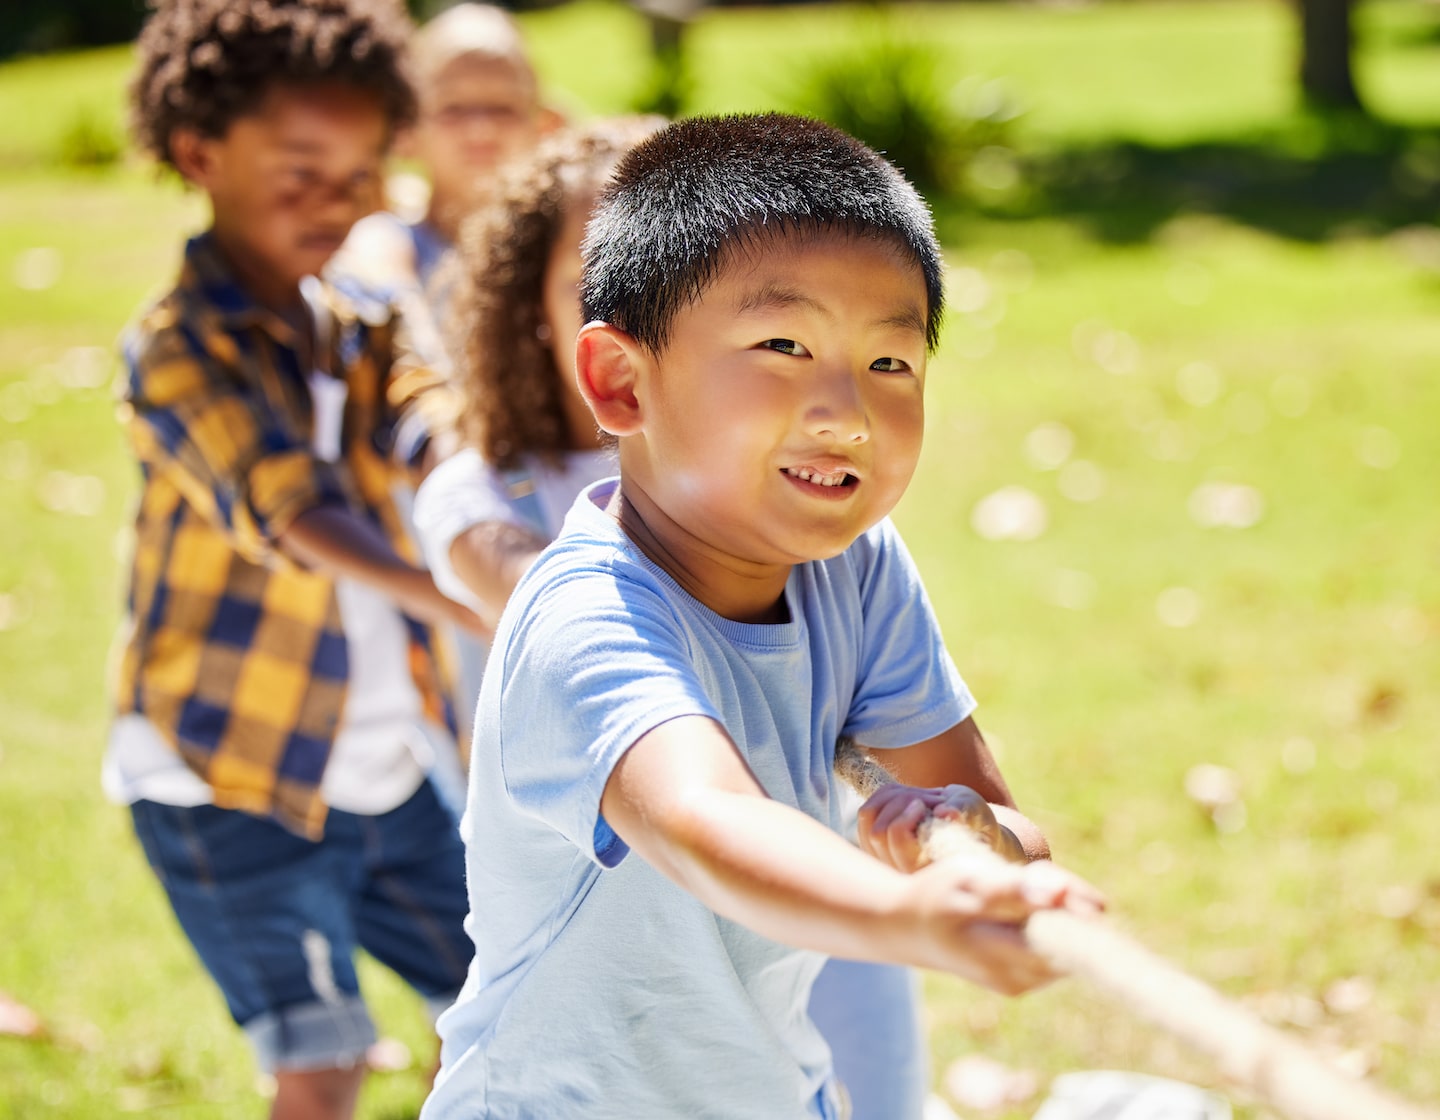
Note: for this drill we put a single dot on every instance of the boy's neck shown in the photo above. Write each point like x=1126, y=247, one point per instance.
x=733, y=589
x=264, y=287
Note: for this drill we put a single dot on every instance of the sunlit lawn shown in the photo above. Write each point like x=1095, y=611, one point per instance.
x=1132, y=394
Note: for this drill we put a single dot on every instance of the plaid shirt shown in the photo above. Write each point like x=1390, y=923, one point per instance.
x=233, y=651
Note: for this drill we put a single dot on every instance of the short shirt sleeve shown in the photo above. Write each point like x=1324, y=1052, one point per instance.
x=908, y=688
x=241, y=463
x=592, y=661
x=460, y=493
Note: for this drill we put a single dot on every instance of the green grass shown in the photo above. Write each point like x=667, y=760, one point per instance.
x=1319, y=624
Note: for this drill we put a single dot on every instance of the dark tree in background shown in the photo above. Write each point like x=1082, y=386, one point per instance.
x=667, y=19
x=32, y=26
x=1326, y=37
x=29, y=26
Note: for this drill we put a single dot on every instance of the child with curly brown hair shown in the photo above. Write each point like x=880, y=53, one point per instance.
x=277, y=701
x=532, y=446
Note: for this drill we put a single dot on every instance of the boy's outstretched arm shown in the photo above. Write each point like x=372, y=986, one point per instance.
x=684, y=799
x=960, y=757
x=335, y=540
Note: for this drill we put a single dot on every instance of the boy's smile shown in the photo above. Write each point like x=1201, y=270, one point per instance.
x=783, y=417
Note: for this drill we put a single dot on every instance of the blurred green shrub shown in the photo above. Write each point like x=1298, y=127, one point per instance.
x=87, y=141
x=901, y=98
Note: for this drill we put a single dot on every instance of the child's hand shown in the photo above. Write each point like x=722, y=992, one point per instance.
x=973, y=911
x=890, y=822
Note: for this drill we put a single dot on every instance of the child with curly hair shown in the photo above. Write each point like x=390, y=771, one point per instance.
x=277, y=699
x=532, y=446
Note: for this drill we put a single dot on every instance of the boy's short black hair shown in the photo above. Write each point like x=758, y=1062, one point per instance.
x=685, y=199
x=203, y=63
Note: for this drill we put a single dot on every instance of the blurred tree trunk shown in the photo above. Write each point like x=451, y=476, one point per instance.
x=669, y=85
x=1326, y=36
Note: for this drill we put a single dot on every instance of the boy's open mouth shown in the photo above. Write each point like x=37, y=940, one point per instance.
x=822, y=478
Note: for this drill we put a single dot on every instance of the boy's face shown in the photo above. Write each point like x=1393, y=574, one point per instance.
x=474, y=115
x=785, y=414
x=289, y=180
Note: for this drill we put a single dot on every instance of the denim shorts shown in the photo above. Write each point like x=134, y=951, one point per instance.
x=276, y=918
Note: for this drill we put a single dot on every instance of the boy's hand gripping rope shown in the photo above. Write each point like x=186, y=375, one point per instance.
x=1275, y=1067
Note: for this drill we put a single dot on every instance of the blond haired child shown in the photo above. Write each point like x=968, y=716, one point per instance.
x=479, y=106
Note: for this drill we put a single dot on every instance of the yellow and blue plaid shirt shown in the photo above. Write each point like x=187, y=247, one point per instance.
x=233, y=651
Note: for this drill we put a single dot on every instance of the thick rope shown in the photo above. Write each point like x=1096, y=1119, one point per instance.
x=1271, y=1065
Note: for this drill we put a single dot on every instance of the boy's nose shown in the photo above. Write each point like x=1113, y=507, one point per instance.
x=344, y=200
x=837, y=410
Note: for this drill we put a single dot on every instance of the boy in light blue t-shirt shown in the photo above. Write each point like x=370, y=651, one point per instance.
x=654, y=863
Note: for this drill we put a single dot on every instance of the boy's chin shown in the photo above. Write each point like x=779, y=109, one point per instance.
x=826, y=549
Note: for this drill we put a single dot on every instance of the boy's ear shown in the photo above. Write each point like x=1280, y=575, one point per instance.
x=548, y=119
x=192, y=155
x=608, y=365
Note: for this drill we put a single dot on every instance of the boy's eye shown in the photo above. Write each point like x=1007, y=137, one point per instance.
x=455, y=115
x=785, y=346
x=889, y=365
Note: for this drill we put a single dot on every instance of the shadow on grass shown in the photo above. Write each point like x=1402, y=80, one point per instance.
x=1311, y=179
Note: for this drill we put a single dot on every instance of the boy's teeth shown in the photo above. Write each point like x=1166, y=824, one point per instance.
x=806, y=475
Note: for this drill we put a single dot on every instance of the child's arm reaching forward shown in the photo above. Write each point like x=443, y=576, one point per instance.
x=336, y=540
x=684, y=799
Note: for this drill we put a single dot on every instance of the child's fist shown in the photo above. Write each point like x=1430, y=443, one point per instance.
x=972, y=914
x=891, y=821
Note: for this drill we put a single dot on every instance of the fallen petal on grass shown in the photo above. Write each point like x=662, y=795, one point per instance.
x=986, y=1085
x=1399, y=901
x=1178, y=607
x=1378, y=448
x=1199, y=384
x=1011, y=513
x=1081, y=481
x=37, y=269
x=1224, y=505
x=1212, y=787
x=18, y=1021
x=389, y=1055
x=1049, y=446
x=1349, y=995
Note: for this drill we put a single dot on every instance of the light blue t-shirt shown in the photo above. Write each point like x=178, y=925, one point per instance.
x=600, y=989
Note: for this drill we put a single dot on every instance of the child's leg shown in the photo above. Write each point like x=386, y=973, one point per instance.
x=869, y=1014
x=315, y=1094
x=270, y=915
x=411, y=908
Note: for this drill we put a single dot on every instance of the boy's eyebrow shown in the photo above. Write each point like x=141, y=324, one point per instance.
x=773, y=296
x=907, y=318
